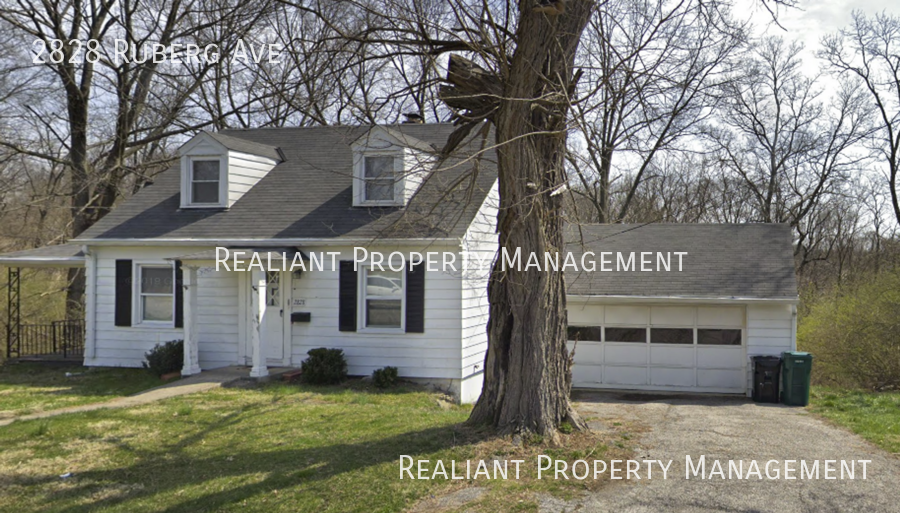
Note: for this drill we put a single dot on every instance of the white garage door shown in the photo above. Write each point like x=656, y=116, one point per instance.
x=683, y=348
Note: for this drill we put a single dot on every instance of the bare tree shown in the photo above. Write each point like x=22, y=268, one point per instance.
x=869, y=49
x=652, y=73
x=788, y=147
x=118, y=111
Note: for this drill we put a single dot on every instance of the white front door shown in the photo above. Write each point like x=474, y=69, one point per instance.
x=272, y=324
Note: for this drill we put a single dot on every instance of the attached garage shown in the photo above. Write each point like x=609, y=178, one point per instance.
x=688, y=331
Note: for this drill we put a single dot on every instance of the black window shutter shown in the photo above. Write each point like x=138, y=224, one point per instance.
x=179, y=295
x=347, y=303
x=123, y=292
x=415, y=299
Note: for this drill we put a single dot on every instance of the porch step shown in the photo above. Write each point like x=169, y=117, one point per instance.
x=292, y=375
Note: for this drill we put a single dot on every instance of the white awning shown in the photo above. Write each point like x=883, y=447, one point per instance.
x=59, y=255
x=270, y=253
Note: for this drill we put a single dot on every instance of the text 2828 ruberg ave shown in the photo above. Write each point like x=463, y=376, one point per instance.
x=122, y=51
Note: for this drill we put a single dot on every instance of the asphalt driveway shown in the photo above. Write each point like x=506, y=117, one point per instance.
x=726, y=428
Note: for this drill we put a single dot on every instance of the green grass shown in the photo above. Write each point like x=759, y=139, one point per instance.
x=874, y=416
x=29, y=387
x=274, y=448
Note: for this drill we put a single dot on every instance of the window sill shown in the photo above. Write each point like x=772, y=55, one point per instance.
x=380, y=204
x=382, y=331
x=207, y=207
x=154, y=325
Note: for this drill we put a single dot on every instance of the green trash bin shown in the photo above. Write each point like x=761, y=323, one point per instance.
x=795, y=375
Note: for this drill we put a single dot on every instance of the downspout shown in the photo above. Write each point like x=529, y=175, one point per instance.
x=793, y=327
x=90, y=321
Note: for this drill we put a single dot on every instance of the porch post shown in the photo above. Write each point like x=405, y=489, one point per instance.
x=191, y=341
x=257, y=311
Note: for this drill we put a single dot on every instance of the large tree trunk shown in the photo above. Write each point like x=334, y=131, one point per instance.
x=527, y=375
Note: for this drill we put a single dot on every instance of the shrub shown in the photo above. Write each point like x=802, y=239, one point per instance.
x=854, y=335
x=385, y=377
x=324, y=367
x=165, y=358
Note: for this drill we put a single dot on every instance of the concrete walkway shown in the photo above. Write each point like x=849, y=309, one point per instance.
x=206, y=380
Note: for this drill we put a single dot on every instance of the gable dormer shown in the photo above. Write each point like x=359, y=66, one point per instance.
x=217, y=169
x=388, y=167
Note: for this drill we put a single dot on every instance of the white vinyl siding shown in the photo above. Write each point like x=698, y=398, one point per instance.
x=481, y=243
x=119, y=346
x=770, y=332
x=432, y=354
x=245, y=171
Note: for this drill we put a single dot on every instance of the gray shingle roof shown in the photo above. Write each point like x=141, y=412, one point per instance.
x=723, y=261
x=309, y=195
x=245, y=146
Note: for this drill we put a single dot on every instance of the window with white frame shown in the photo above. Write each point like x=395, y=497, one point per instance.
x=382, y=299
x=205, y=177
x=379, y=175
x=155, y=293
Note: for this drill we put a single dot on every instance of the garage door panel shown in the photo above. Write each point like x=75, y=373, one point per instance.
x=588, y=352
x=672, y=356
x=587, y=375
x=672, y=315
x=623, y=354
x=704, y=367
x=585, y=315
x=618, y=315
x=711, y=378
x=720, y=357
x=720, y=316
x=622, y=375
x=661, y=376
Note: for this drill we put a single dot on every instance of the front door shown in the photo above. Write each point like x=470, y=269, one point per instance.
x=272, y=326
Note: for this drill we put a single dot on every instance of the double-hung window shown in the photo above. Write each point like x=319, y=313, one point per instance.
x=155, y=294
x=379, y=177
x=205, y=177
x=382, y=299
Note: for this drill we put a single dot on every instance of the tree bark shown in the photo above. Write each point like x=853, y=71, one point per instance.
x=527, y=368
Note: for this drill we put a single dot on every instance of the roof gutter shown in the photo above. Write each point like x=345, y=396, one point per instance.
x=580, y=298
x=264, y=242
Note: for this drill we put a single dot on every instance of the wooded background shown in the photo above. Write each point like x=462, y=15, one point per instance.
x=679, y=113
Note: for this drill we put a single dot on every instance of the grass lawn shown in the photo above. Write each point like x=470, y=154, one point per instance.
x=30, y=387
x=276, y=447
x=873, y=416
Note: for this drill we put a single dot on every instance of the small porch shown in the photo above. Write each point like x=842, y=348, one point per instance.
x=54, y=340
x=266, y=309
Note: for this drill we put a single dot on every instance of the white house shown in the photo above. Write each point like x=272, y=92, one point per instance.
x=316, y=194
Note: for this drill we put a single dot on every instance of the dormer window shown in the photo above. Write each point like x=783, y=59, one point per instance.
x=379, y=177
x=388, y=167
x=218, y=169
x=204, y=181
x=205, y=178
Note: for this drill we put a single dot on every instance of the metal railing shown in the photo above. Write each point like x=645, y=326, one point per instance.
x=58, y=339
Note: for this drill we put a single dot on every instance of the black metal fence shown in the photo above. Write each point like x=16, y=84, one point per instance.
x=58, y=339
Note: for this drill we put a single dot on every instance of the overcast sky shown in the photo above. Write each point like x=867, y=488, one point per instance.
x=816, y=18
